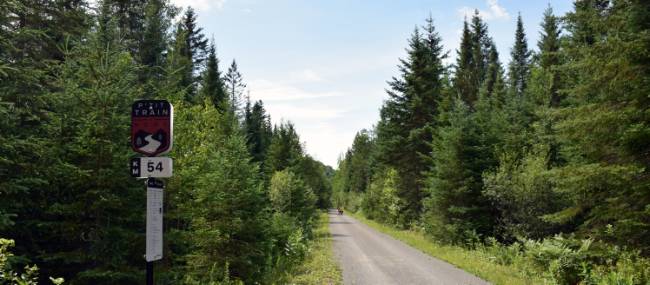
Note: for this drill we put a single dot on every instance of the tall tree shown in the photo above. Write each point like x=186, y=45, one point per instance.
x=481, y=43
x=152, y=46
x=407, y=118
x=463, y=81
x=213, y=85
x=519, y=69
x=235, y=87
x=195, y=48
x=258, y=132
x=285, y=150
x=473, y=59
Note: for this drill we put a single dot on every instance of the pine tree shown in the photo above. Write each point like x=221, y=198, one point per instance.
x=473, y=60
x=603, y=129
x=235, y=88
x=154, y=40
x=519, y=69
x=456, y=210
x=194, y=49
x=285, y=150
x=463, y=81
x=88, y=188
x=407, y=118
x=179, y=69
x=213, y=85
x=258, y=132
x=195, y=40
x=481, y=43
x=494, y=85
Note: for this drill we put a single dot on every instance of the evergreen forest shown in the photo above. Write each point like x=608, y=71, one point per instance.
x=243, y=199
x=541, y=161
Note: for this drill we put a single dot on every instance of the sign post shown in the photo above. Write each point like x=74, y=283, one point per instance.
x=152, y=134
x=154, y=242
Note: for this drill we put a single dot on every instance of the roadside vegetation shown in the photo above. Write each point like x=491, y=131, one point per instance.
x=537, y=170
x=320, y=266
x=242, y=204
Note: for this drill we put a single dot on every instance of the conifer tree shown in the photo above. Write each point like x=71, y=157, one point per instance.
x=481, y=43
x=194, y=48
x=235, y=88
x=407, y=118
x=456, y=210
x=197, y=44
x=258, y=132
x=154, y=39
x=463, y=79
x=285, y=150
x=213, y=86
x=473, y=59
x=519, y=69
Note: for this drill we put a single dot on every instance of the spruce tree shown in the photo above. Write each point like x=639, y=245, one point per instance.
x=152, y=47
x=407, y=118
x=481, y=43
x=285, y=150
x=258, y=132
x=235, y=88
x=456, y=210
x=473, y=59
x=519, y=69
x=195, y=40
x=194, y=49
x=463, y=76
x=213, y=85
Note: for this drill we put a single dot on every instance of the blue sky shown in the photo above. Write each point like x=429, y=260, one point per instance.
x=324, y=64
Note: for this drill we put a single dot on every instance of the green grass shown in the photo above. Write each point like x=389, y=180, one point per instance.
x=320, y=266
x=476, y=262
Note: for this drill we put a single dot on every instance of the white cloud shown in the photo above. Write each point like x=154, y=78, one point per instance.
x=200, y=5
x=300, y=113
x=268, y=91
x=306, y=75
x=494, y=12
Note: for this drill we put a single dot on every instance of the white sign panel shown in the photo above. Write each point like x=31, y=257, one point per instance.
x=160, y=167
x=154, y=220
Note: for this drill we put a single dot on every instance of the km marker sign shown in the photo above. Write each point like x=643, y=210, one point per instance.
x=152, y=132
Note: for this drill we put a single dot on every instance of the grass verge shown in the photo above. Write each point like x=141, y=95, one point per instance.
x=476, y=262
x=320, y=266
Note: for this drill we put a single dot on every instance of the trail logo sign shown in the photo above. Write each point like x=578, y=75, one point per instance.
x=152, y=126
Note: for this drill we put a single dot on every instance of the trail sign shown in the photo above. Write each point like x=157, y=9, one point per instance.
x=154, y=243
x=152, y=126
x=160, y=167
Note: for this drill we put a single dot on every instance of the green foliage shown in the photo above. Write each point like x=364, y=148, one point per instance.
x=320, y=266
x=519, y=70
x=285, y=150
x=381, y=202
x=8, y=276
x=408, y=118
x=289, y=194
x=560, y=146
x=457, y=209
x=67, y=84
x=213, y=86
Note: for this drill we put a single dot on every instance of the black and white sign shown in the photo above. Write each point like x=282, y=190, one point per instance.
x=154, y=242
x=143, y=167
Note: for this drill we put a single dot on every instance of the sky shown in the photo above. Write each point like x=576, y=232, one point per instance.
x=324, y=64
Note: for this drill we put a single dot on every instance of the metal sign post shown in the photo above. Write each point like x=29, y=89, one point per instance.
x=152, y=123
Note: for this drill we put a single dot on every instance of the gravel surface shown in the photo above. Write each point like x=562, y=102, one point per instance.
x=370, y=257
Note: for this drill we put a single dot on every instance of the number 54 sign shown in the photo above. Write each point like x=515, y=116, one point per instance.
x=159, y=167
